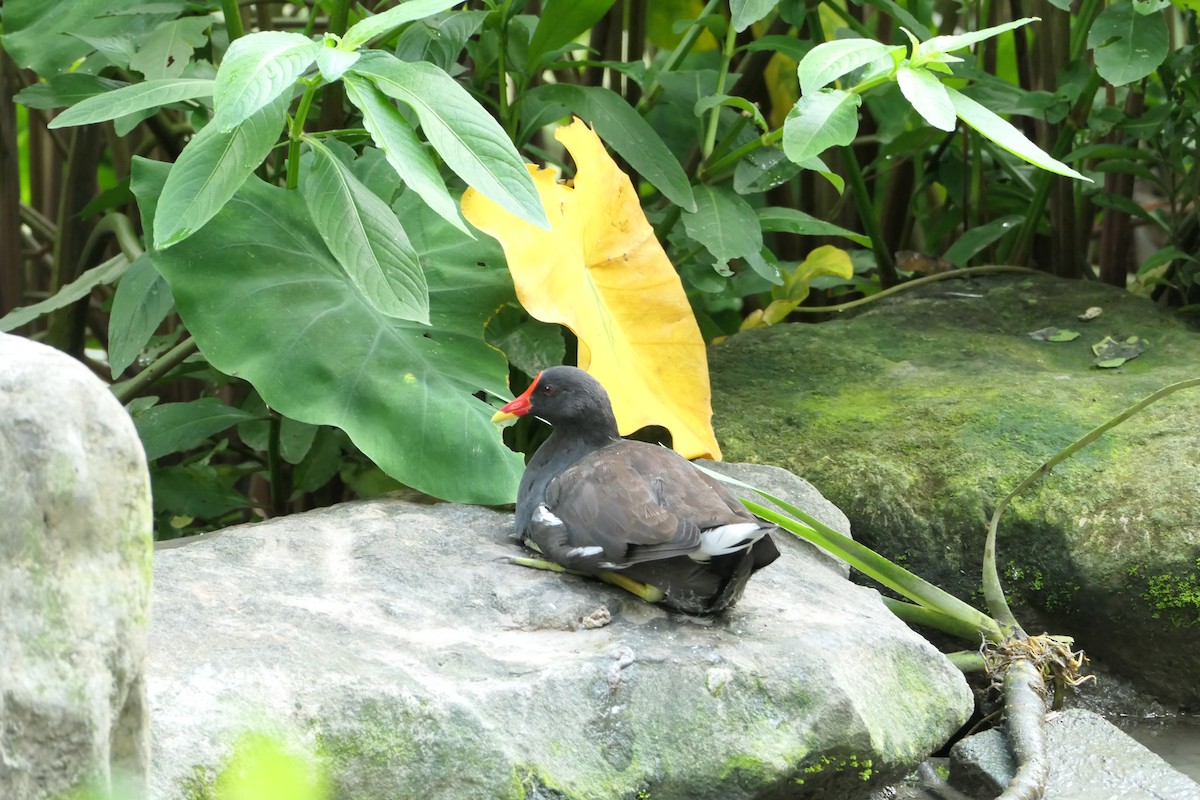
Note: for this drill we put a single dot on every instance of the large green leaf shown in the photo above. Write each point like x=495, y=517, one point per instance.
x=928, y=96
x=745, y=13
x=175, y=427
x=266, y=300
x=823, y=119
x=405, y=152
x=76, y=290
x=561, y=21
x=626, y=132
x=829, y=61
x=165, y=53
x=65, y=90
x=130, y=99
x=791, y=220
x=470, y=141
x=210, y=169
x=951, y=42
x=378, y=24
x=365, y=237
x=141, y=303
x=995, y=128
x=35, y=30
x=257, y=69
x=1127, y=45
x=728, y=228
x=976, y=239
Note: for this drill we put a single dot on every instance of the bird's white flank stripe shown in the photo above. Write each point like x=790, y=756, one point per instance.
x=585, y=552
x=543, y=516
x=729, y=538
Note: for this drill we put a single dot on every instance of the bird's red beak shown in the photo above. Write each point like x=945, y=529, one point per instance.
x=517, y=407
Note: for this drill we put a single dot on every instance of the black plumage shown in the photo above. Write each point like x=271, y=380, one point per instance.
x=598, y=504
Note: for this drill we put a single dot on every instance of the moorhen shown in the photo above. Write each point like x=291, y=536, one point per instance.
x=634, y=514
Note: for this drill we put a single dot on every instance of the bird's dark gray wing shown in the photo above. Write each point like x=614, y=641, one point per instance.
x=639, y=502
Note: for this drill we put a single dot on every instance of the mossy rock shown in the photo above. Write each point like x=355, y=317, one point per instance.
x=917, y=416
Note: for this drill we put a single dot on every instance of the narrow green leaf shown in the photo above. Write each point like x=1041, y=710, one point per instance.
x=790, y=220
x=706, y=104
x=141, y=303
x=165, y=53
x=76, y=290
x=405, y=152
x=469, y=139
x=829, y=61
x=626, y=132
x=65, y=90
x=1006, y=136
x=378, y=24
x=928, y=96
x=33, y=30
x=976, y=239
x=859, y=556
x=818, y=166
x=130, y=99
x=745, y=13
x=1126, y=45
x=210, y=169
x=726, y=225
x=950, y=43
x=333, y=62
x=257, y=69
x=901, y=15
x=789, y=46
x=561, y=22
x=762, y=170
x=1162, y=257
x=175, y=427
x=823, y=119
x=365, y=237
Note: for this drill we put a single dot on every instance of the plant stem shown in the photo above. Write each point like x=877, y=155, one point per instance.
x=991, y=269
x=868, y=218
x=153, y=373
x=233, y=18
x=710, y=136
x=653, y=87
x=993, y=592
x=502, y=70
x=870, y=563
x=275, y=467
x=296, y=132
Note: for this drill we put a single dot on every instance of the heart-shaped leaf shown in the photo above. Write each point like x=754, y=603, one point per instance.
x=267, y=301
x=601, y=272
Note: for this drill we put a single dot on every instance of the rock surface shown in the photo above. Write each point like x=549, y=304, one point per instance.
x=75, y=550
x=1087, y=757
x=916, y=417
x=388, y=641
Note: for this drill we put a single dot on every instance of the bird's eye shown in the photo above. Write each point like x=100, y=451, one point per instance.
x=549, y=390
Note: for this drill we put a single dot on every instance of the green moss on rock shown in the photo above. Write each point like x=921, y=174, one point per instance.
x=918, y=415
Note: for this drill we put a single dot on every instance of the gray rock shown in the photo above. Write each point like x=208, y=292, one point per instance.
x=389, y=641
x=917, y=416
x=74, y=580
x=1087, y=757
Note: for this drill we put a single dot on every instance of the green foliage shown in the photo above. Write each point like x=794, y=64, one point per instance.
x=303, y=262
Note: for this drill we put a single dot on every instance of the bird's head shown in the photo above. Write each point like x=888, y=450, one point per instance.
x=563, y=396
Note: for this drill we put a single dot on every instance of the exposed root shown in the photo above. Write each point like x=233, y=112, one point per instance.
x=1052, y=656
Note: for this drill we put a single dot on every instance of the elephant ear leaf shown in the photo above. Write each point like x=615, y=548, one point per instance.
x=601, y=272
x=267, y=300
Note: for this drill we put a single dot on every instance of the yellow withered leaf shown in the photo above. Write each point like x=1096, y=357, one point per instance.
x=601, y=272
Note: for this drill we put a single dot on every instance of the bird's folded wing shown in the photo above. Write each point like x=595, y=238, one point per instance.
x=607, y=502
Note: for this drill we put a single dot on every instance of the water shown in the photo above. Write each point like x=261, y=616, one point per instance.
x=1176, y=739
